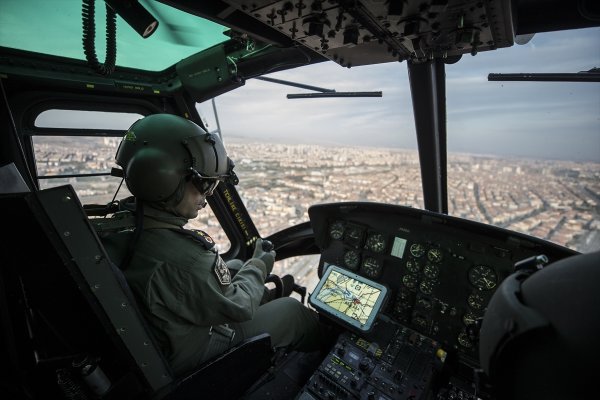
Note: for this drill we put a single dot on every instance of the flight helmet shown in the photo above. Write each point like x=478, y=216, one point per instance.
x=161, y=151
x=539, y=334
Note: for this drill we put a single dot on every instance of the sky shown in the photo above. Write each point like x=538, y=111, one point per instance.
x=546, y=120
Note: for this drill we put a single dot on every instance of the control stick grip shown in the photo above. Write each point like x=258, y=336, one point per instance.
x=267, y=245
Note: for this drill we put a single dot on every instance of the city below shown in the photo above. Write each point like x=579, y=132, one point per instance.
x=553, y=200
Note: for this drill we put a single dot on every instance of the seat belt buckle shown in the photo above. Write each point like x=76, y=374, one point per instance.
x=223, y=330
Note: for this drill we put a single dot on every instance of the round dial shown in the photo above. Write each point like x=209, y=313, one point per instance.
x=435, y=255
x=417, y=250
x=413, y=266
x=483, y=277
x=355, y=236
x=352, y=259
x=431, y=271
x=476, y=301
x=376, y=243
x=410, y=281
x=469, y=318
x=426, y=286
x=336, y=230
x=371, y=267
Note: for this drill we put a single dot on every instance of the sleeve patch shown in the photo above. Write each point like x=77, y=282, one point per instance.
x=222, y=272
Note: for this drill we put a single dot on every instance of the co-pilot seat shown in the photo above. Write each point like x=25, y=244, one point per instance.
x=103, y=285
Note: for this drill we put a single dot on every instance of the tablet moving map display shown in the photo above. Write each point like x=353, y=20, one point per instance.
x=350, y=297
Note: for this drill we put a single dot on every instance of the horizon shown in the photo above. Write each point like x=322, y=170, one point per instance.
x=251, y=140
x=541, y=120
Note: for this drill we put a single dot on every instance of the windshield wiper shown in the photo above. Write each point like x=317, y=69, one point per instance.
x=322, y=92
x=593, y=75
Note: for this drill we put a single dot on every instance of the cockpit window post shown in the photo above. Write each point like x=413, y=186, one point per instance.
x=428, y=88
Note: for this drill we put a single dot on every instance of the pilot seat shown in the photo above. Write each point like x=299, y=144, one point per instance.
x=71, y=325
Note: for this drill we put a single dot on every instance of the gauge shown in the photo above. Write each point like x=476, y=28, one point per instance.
x=410, y=281
x=352, y=259
x=426, y=286
x=431, y=271
x=413, y=266
x=371, y=267
x=376, y=243
x=483, y=277
x=469, y=318
x=435, y=255
x=336, y=230
x=476, y=301
x=354, y=235
x=463, y=340
x=417, y=250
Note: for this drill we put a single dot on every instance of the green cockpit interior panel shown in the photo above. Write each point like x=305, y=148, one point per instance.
x=178, y=35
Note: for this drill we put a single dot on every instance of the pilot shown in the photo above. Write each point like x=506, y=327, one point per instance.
x=195, y=307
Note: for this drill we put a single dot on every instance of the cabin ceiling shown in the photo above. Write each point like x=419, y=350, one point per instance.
x=359, y=32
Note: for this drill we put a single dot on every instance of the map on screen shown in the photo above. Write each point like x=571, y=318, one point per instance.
x=350, y=297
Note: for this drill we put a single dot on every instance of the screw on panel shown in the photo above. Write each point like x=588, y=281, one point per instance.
x=67, y=234
x=300, y=6
x=293, y=30
x=97, y=258
x=272, y=17
x=121, y=331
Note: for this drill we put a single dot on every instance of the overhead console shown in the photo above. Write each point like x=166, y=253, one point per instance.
x=352, y=33
x=437, y=274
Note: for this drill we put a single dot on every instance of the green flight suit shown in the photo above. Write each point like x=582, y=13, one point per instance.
x=188, y=301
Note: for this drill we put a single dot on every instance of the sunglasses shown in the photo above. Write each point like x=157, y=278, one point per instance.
x=204, y=184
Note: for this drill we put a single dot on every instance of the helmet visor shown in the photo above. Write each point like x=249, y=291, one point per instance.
x=205, y=184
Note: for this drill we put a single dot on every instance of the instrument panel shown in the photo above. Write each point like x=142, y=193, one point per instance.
x=441, y=271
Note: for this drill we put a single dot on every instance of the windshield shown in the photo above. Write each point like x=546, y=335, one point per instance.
x=178, y=35
x=521, y=155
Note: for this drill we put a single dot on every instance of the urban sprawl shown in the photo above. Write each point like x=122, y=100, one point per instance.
x=554, y=200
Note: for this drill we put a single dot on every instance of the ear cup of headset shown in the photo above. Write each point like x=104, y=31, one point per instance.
x=153, y=175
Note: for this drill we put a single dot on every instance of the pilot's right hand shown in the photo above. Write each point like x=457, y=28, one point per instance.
x=268, y=257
